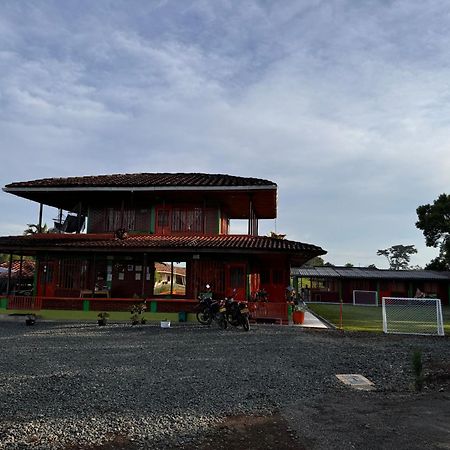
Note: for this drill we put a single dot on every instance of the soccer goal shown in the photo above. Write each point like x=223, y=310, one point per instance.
x=412, y=316
x=365, y=298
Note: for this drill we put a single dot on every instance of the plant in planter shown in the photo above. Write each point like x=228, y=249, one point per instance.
x=30, y=320
x=102, y=318
x=298, y=316
x=137, y=313
x=165, y=323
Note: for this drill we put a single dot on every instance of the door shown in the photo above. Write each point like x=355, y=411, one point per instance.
x=47, y=279
x=236, y=281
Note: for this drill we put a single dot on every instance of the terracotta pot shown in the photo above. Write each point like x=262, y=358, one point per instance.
x=298, y=317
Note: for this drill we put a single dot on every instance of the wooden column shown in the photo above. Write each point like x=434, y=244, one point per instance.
x=20, y=271
x=41, y=210
x=8, y=286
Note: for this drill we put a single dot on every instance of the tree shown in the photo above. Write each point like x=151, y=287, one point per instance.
x=317, y=261
x=33, y=229
x=349, y=265
x=398, y=256
x=434, y=221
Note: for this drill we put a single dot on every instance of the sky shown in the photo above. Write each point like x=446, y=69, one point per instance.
x=344, y=104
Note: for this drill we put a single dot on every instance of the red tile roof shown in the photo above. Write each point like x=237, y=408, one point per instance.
x=145, y=180
x=28, y=267
x=157, y=242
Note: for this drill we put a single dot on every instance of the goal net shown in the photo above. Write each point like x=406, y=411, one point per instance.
x=365, y=298
x=412, y=316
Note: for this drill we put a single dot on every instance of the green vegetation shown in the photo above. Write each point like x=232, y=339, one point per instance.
x=362, y=318
x=434, y=221
x=398, y=256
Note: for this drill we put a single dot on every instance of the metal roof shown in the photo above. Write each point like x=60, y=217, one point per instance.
x=368, y=273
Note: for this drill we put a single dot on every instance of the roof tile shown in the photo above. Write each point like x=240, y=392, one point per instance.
x=145, y=180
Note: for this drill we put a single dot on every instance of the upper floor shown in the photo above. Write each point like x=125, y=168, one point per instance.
x=157, y=203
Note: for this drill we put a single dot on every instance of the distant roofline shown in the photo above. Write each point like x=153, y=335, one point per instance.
x=367, y=272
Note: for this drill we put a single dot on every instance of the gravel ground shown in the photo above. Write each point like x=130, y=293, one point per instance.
x=80, y=386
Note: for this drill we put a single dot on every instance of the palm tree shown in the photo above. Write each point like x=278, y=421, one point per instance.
x=33, y=229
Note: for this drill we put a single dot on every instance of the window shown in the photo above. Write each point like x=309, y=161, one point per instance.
x=162, y=219
x=115, y=220
x=187, y=220
x=170, y=278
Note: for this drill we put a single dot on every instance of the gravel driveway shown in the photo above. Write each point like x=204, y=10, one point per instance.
x=82, y=386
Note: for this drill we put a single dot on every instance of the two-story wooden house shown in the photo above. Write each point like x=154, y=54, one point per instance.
x=114, y=229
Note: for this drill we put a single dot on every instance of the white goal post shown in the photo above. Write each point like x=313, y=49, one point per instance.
x=365, y=298
x=412, y=316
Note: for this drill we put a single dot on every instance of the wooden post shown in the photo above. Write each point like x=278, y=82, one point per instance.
x=79, y=218
x=20, y=270
x=295, y=283
x=60, y=220
x=41, y=210
x=171, y=278
x=144, y=275
x=8, y=286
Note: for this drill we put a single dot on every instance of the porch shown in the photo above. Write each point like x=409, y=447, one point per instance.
x=260, y=312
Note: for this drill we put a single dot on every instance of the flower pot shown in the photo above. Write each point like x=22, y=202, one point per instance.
x=298, y=317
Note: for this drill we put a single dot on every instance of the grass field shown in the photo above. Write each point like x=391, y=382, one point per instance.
x=115, y=316
x=362, y=318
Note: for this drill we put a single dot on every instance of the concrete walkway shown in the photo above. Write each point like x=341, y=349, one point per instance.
x=311, y=321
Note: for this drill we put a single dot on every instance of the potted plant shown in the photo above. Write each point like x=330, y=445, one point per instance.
x=165, y=323
x=102, y=318
x=137, y=313
x=298, y=315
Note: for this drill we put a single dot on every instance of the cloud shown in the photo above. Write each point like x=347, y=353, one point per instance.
x=343, y=104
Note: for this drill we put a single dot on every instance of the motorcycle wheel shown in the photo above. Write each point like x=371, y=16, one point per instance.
x=246, y=324
x=222, y=322
x=204, y=317
x=232, y=321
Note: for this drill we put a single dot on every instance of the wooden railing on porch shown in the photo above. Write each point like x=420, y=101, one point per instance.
x=262, y=312
x=269, y=312
x=98, y=304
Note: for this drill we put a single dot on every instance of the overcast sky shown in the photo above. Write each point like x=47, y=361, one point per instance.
x=345, y=104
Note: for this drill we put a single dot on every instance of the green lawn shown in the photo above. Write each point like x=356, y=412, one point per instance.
x=362, y=318
x=50, y=314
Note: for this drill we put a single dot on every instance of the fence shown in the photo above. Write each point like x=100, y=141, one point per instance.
x=259, y=311
x=269, y=312
x=24, y=302
x=97, y=304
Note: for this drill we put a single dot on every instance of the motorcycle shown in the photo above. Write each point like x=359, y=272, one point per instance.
x=209, y=309
x=237, y=313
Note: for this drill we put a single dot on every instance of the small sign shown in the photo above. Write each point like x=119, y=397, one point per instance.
x=356, y=381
